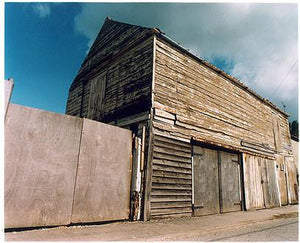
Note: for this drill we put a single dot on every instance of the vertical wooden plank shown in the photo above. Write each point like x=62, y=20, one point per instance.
x=243, y=197
x=148, y=172
x=252, y=182
x=153, y=70
x=135, y=197
x=269, y=183
x=220, y=182
x=282, y=184
x=292, y=184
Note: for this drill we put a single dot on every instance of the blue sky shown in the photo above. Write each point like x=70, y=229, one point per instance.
x=42, y=54
x=45, y=44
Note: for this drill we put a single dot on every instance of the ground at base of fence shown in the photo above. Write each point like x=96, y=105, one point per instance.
x=212, y=227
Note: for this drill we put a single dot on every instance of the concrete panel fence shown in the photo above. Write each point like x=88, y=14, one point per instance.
x=62, y=169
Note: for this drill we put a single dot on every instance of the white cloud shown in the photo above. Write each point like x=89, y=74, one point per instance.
x=260, y=41
x=43, y=10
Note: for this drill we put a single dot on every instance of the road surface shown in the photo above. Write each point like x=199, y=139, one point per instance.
x=277, y=224
x=276, y=230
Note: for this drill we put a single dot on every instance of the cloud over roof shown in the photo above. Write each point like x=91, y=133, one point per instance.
x=257, y=43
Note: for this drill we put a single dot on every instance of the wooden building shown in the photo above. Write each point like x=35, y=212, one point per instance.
x=211, y=144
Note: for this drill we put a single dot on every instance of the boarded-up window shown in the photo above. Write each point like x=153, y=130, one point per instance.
x=97, y=94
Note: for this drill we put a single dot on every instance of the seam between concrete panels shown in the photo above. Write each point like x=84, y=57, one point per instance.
x=76, y=172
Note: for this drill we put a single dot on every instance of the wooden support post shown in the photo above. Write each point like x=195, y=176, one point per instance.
x=220, y=181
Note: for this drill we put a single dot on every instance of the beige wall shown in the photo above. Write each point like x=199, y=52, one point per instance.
x=41, y=152
x=104, y=173
x=45, y=153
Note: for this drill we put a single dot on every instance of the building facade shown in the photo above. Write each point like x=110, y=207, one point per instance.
x=211, y=144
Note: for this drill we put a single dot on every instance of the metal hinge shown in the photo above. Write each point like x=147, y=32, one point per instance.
x=198, y=206
x=198, y=154
x=237, y=203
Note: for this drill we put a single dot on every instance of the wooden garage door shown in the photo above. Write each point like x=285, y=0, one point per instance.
x=216, y=181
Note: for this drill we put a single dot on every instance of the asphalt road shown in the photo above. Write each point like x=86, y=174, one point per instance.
x=275, y=230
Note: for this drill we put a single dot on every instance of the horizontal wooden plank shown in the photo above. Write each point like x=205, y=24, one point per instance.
x=167, y=186
x=172, y=169
x=172, y=135
x=204, y=134
x=170, y=157
x=170, y=151
x=156, y=212
x=157, y=205
x=164, y=114
x=159, y=192
x=171, y=180
x=172, y=163
x=133, y=119
x=173, y=142
x=173, y=175
x=172, y=146
x=178, y=215
x=171, y=199
x=163, y=120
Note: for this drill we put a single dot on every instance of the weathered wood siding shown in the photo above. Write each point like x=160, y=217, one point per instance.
x=261, y=185
x=129, y=70
x=282, y=183
x=75, y=99
x=171, y=189
x=292, y=184
x=254, y=197
x=295, y=145
x=114, y=81
x=209, y=107
x=191, y=100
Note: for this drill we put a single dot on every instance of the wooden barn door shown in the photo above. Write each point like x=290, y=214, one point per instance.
x=216, y=181
x=206, y=185
x=230, y=182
